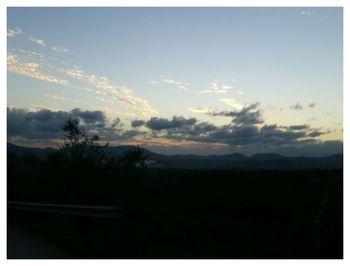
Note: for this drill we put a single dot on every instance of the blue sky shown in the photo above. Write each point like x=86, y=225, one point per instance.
x=138, y=63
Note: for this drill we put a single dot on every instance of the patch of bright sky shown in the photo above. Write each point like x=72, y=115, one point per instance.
x=276, y=56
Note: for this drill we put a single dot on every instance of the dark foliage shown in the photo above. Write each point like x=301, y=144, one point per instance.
x=177, y=213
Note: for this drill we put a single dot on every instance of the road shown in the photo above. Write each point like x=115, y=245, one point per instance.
x=25, y=245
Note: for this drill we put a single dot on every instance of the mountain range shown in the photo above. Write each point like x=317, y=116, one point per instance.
x=227, y=161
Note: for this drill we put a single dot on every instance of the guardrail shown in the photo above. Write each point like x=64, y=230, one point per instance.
x=66, y=209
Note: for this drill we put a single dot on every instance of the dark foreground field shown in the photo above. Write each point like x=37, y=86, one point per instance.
x=169, y=213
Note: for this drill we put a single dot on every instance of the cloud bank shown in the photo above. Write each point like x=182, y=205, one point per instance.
x=25, y=126
x=247, y=132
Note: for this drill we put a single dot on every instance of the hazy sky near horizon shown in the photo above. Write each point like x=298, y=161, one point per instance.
x=253, y=79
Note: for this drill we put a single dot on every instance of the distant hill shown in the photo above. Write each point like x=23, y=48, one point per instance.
x=227, y=161
x=20, y=150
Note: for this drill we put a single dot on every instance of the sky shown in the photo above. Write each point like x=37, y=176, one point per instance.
x=179, y=80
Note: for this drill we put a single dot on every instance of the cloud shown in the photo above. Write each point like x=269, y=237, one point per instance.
x=156, y=123
x=306, y=13
x=112, y=92
x=247, y=128
x=58, y=97
x=232, y=102
x=37, y=41
x=296, y=106
x=26, y=126
x=14, y=32
x=197, y=131
x=315, y=133
x=90, y=117
x=31, y=54
x=177, y=84
x=199, y=109
x=312, y=105
x=248, y=115
x=11, y=59
x=103, y=99
x=43, y=125
x=31, y=64
x=240, y=92
x=217, y=88
x=137, y=123
x=298, y=127
x=59, y=49
x=30, y=69
x=237, y=135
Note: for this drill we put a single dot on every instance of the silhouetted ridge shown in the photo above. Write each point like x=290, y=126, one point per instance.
x=227, y=161
x=267, y=157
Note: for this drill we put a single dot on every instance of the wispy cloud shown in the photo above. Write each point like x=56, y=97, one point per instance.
x=37, y=41
x=103, y=99
x=177, y=84
x=232, y=102
x=113, y=92
x=14, y=32
x=59, y=49
x=240, y=92
x=199, y=109
x=296, y=106
x=31, y=53
x=217, y=88
x=313, y=15
x=30, y=69
x=59, y=97
x=31, y=64
x=306, y=13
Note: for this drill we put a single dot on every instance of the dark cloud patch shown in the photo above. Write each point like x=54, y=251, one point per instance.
x=90, y=117
x=156, y=123
x=298, y=127
x=137, y=123
x=241, y=135
x=316, y=133
x=190, y=132
x=252, y=135
x=245, y=129
x=45, y=125
x=312, y=105
x=249, y=115
x=203, y=127
x=130, y=133
x=296, y=106
x=116, y=122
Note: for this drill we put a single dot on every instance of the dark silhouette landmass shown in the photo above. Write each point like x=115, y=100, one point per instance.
x=258, y=161
x=230, y=206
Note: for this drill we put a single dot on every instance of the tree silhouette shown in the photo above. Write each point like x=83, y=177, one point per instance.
x=133, y=159
x=78, y=145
